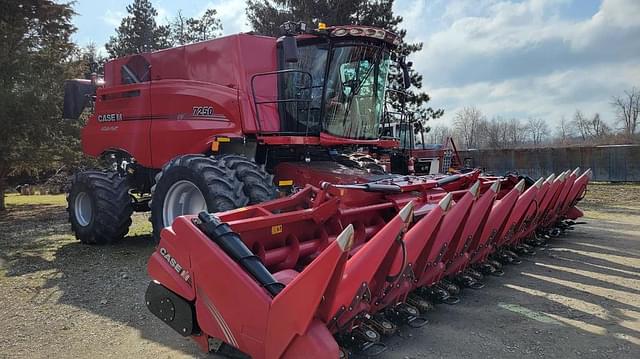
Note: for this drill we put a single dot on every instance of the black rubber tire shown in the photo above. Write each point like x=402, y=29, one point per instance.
x=111, y=207
x=258, y=184
x=219, y=186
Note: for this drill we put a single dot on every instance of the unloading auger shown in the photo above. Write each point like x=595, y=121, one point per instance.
x=331, y=270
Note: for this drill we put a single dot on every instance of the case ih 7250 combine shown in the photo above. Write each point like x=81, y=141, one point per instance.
x=215, y=128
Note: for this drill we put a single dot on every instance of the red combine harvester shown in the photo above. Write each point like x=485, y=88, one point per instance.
x=216, y=129
x=207, y=126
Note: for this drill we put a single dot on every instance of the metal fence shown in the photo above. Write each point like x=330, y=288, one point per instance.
x=614, y=163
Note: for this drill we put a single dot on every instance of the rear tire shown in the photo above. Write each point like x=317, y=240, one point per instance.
x=99, y=207
x=189, y=184
x=258, y=184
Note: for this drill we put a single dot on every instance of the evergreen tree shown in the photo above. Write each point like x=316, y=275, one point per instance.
x=35, y=58
x=208, y=26
x=179, y=30
x=91, y=60
x=138, y=32
x=265, y=16
x=189, y=30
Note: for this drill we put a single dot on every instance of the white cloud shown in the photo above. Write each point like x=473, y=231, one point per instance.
x=232, y=15
x=113, y=18
x=550, y=96
x=412, y=13
x=164, y=16
x=525, y=58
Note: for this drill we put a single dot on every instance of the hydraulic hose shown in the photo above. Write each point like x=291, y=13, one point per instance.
x=230, y=242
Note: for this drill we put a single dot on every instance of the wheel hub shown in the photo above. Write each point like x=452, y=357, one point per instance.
x=83, y=209
x=183, y=197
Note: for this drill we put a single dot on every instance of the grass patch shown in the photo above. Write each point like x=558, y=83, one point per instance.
x=30, y=205
x=15, y=199
x=140, y=226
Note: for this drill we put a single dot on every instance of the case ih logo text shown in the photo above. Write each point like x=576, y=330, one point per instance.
x=175, y=265
x=110, y=117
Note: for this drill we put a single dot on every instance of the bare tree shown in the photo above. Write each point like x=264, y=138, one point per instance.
x=591, y=130
x=497, y=133
x=564, y=130
x=582, y=124
x=599, y=128
x=628, y=109
x=516, y=132
x=538, y=130
x=467, y=124
x=439, y=134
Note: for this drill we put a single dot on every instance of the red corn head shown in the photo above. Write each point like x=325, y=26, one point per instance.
x=314, y=266
x=417, y=245
x=495, y=223
x=430, y=268
x=576, y=193
x=472, y=231
x=365, y=273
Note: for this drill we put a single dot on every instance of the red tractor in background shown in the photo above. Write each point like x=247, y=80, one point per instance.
x=414, y=156
x=208, y=126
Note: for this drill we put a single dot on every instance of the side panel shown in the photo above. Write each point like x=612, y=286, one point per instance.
x=121, y=121
x=186, y=115
x=257, y=55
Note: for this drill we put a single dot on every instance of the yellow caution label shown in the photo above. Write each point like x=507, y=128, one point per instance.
x=223, y=139
x=276, y=229
x=285, y=183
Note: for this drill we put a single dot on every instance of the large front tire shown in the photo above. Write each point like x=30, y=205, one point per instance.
x=99, y=207
x=189, y=184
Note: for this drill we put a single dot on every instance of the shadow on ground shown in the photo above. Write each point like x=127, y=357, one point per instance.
x=50, y=274
x=579, y=297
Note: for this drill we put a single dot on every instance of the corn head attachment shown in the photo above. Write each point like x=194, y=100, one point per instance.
x=333, y=269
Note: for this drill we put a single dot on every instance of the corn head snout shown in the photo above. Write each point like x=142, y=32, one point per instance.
x=333, y=270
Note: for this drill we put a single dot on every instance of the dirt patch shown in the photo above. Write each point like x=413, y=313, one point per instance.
x=580, y=297
x=81, y=301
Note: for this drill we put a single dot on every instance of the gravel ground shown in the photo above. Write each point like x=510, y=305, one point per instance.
x=580, y=297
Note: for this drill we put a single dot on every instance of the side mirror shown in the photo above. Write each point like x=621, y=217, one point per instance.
x=405, y=66
x=290, y=49
x=77, y=94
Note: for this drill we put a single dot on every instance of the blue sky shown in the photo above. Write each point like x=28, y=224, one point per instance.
x=526, y=58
